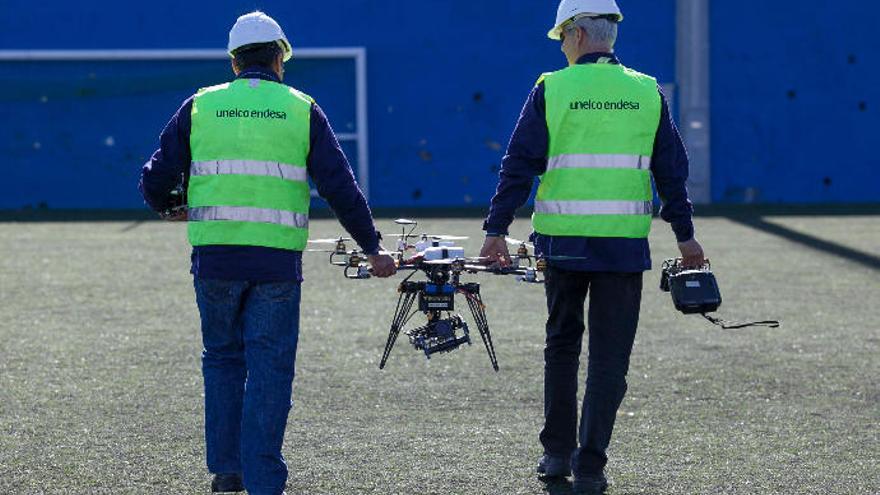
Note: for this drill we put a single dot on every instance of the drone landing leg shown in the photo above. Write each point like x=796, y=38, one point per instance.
x=475, y=302
x=404, y=303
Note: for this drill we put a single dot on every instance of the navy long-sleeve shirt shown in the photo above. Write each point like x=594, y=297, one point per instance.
x=326, y=164
x=526, y=158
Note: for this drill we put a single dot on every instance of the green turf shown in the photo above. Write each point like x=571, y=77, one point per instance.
x=100, y=387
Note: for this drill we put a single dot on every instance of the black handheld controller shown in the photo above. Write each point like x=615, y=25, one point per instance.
x=176, y=201
x=693, y=290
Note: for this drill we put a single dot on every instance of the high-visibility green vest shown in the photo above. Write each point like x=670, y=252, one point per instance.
x=602, y=120
x=248, y=182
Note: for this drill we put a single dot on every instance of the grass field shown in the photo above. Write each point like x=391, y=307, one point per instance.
x=100, y=385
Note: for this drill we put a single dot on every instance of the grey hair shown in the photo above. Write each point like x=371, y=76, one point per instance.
x=601, y=32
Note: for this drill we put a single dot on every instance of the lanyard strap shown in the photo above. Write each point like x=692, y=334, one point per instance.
x=734, y=325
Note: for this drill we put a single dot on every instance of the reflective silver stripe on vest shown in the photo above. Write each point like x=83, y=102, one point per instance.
x=638, y=162
x=595, y=207
x=250, y=167
x=249, y=214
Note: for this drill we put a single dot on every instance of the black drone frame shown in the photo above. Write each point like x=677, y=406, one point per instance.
x=439, y=275
x=438, y=334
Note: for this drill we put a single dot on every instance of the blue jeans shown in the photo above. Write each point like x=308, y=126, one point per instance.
x=250, y=332
x=612, y=318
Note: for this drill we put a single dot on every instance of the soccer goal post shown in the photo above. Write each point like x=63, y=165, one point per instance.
x=360, y=135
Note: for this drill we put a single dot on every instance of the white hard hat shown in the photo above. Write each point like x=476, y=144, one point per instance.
x=569, y=9
x=257, y=27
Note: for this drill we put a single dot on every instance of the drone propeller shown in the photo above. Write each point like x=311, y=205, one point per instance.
x=434, y=237
x=441, y=237
x=477, y=259
x=529, y=245
x=389, y=253
x=449, y=261
x=329, y=241
x=517, y=242
x=360, y=255
x=405, y=221
x=562, y=258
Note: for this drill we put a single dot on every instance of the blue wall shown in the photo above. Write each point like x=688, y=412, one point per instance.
x=795, y=100
x=446, y=82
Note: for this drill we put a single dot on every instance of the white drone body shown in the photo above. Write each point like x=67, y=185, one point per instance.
x=445, y=252
x=425, y=244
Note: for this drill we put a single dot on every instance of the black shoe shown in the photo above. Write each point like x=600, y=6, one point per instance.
x=227, y=483
x=595, y=484
x=554, y=467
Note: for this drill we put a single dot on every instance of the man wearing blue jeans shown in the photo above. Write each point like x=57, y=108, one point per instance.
x=245, y=150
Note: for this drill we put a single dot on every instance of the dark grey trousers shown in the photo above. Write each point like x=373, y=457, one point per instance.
x=613, y=315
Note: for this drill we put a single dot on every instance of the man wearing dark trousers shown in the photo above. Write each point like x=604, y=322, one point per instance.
x=596, y=133
x=245, y=150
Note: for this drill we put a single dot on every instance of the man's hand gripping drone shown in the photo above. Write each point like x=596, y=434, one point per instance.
x=443, y=264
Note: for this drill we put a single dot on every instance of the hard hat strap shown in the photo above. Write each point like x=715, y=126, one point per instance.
x=608, y=17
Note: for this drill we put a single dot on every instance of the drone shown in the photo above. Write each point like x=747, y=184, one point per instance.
x=443, y=264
